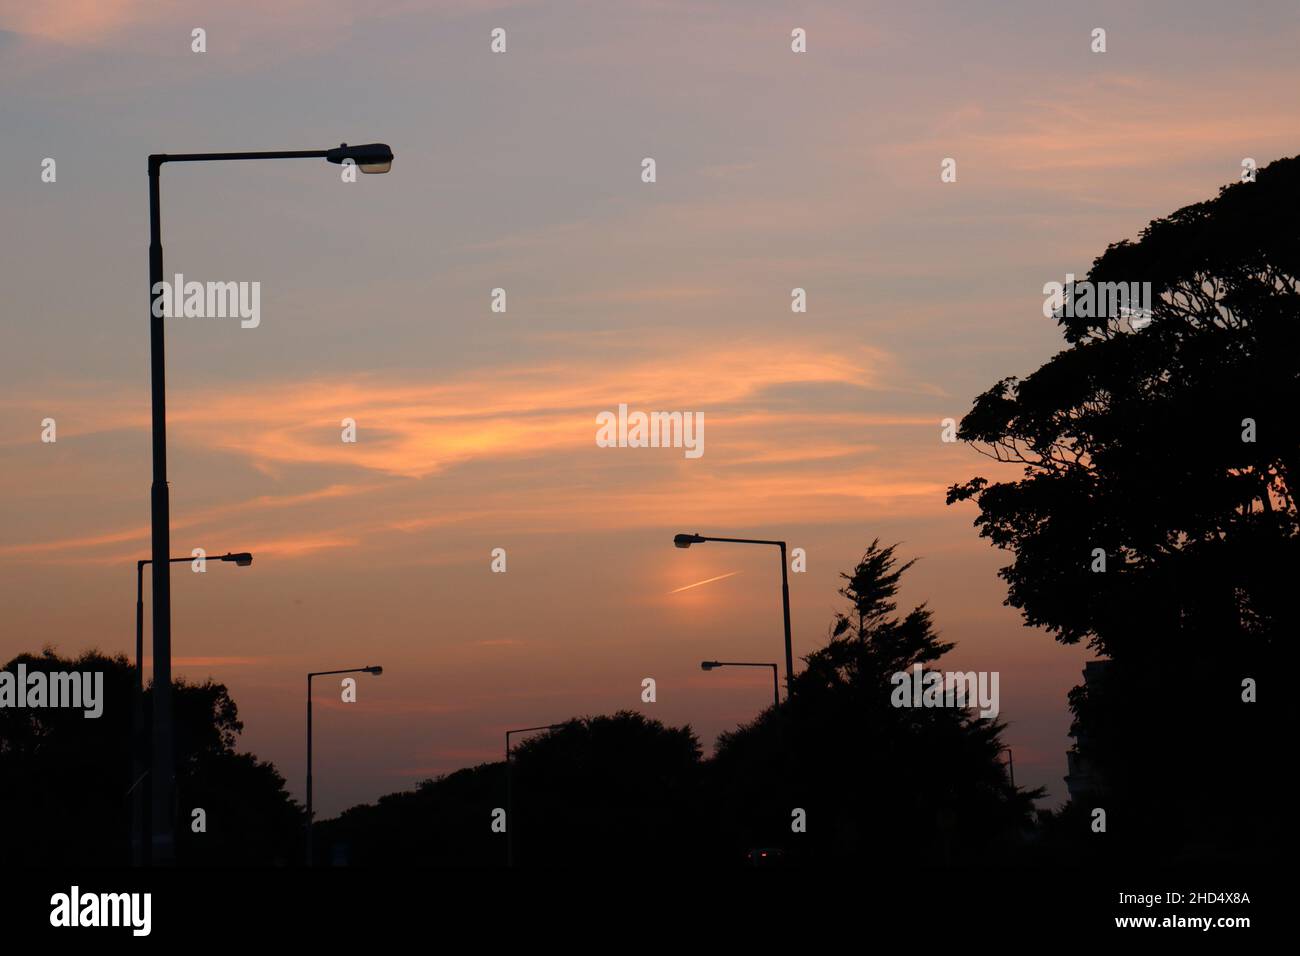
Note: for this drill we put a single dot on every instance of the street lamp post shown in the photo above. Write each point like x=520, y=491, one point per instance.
x=712, y=665
x=139, y=819
x=510, y=809
x=1011, y=766
x=370, y=158
x=686, y=540
x=347, y=670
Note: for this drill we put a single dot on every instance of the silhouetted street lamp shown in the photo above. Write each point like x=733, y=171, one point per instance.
x=712, y=665
x=1011, y=766
x=139, y=823
x=347, y=670
x=371, y=158
x=686, y=540
x=510, y=818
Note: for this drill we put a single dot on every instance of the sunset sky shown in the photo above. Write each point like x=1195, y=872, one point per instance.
x=476, y=430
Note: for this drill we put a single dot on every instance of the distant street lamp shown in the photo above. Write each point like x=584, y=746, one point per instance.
x=371, y=158
x=712, y=665
x=139, y=766
x=347, y=670
x=1011, y=766
x=686, y=540
x=510, y=809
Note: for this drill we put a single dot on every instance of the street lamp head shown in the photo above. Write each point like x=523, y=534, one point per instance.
x=371, y=157
x=373, y=670
x=686, y=540
x=242, y=559
x=708, y=665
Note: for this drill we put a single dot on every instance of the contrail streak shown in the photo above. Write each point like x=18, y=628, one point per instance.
x=705, y=581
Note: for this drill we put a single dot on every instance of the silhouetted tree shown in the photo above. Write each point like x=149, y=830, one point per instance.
x=620, y=790
x=924, y=785
x=1172, y=449
x=64, y=778
x=914, y=785
x=445, y=821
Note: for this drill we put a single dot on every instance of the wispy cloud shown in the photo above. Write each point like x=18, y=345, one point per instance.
x=415, y=429
x=217, y=661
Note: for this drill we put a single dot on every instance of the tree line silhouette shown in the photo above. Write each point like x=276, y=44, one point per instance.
x=867, y=777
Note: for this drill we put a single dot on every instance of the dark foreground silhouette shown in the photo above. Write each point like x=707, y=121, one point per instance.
x=835, y=773
x=66, y=778
x=1155, y=519
x=1169, y=447
x=922, y=785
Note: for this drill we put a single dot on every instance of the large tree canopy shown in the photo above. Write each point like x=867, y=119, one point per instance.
x=1173, y=448
x=1168, y=445
x=65, y=779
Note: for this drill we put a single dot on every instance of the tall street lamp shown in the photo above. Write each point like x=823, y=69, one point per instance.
x=347, y=670
x=510, y=809
x=371, y=158
x=686, y=540
x=1011, y=766
x=713, y=665
x=139, y=820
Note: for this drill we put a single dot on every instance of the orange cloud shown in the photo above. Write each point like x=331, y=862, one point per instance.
x=82, y=549
x=216, y=661
x=420, y=429
x=1103, y=125
x=482, y=435
x=73, y=22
